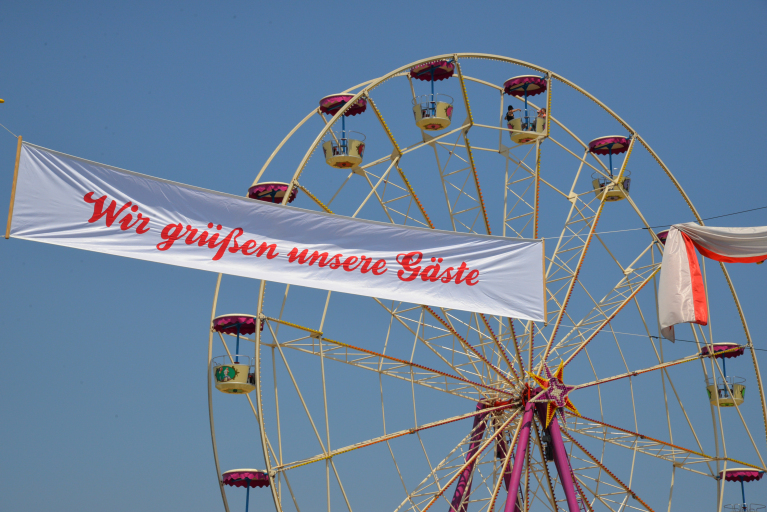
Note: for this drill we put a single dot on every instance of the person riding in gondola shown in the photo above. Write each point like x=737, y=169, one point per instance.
x=510, y=113
x=542, y=115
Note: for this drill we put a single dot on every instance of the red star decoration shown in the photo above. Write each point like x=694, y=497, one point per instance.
x=555, y=392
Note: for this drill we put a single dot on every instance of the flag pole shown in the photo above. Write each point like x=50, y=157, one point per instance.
x=13, y=190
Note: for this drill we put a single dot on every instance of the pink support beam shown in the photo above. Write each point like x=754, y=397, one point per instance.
x=519, y=459
x=560, y=459
x=513, y=478
x=463, y=487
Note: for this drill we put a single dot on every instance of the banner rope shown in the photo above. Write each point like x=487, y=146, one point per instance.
x=9, y=131
x=660, y=226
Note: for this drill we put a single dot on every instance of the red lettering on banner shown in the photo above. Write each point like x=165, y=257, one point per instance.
x=302, y=258
x=249, y=249
x=212, y=242
x=224, y=243
x=431, y=273
x=409, y=262
x=325, y=260
x=365, y=264
x=458, y=274
x=170, y=234
x=142, y=224
x=125, y=222
x=200, y=240
x=446, y=276
x=271, y=248
x=335, y=261
x=109, y=212
x=411, y=269
x=247, y=246
x=351, y=260
x=473, y=275
x=379, y=267
x=173, y=232
x=350, y=264
x=236, y=246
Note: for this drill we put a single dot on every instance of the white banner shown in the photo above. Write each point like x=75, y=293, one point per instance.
x=69, y=201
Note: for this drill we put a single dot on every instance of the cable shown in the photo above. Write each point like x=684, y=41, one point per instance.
x=9, y=131
x=660, y=226
x=693, y=341
x=715, y=217
x=656, y=337
x=599, y=233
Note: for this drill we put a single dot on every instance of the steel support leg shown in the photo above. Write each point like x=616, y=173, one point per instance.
x=519, y=459
x=561, y=460
x=463, y=487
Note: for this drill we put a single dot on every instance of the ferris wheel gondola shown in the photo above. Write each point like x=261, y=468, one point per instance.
x=613, y=189
x=271, y=192
x=724, y=390
x=248, y=478
x=742, y=475
x=433, y=112
x=527, y=128
x=234, y=373
x=345, y=149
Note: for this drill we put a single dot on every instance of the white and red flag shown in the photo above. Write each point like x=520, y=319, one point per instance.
x=681, y=295
x=65, y=200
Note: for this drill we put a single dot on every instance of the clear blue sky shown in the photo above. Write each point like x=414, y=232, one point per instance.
x=103, y=398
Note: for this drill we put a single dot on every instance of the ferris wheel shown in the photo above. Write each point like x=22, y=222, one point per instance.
x=359, y=403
